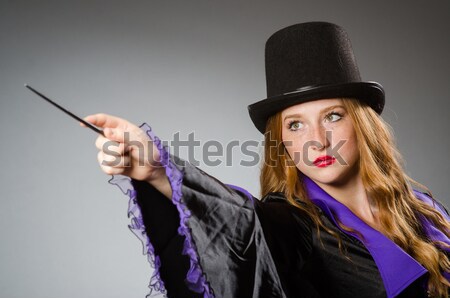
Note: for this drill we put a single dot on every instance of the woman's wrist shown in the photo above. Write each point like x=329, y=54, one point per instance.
x=160, y=181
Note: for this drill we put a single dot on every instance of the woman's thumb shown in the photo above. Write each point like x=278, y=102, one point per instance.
x=112, y=134
x=121, y=135
x=89, y=119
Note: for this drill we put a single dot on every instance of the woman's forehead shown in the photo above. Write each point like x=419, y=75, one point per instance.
x=312, y=106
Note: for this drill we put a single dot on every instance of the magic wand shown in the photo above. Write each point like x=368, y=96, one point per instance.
x=66, y=111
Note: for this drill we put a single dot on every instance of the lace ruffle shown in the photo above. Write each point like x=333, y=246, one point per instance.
x=195, y=277
x=138, y=229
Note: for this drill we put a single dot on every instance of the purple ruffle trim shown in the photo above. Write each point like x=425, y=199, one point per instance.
x=138, y=229
x=195, y=277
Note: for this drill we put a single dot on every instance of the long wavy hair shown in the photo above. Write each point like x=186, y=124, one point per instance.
x=385, y=181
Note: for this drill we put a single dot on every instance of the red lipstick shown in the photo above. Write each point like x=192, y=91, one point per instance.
x=324, y=161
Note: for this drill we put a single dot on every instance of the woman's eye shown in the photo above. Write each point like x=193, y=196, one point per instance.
x=333, y=117
x=294, y=125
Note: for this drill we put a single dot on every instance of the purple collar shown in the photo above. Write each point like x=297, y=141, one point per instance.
x=397, y=269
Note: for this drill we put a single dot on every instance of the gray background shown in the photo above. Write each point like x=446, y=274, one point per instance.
x=181, y=66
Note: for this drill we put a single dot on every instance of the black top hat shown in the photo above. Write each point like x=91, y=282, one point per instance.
x=311, y=61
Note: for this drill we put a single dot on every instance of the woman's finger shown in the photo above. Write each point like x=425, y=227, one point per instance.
x=105, y=120
x=132, y=135
x=100, y=141
x=112, y=171
x=111, y=147
x=113, y=161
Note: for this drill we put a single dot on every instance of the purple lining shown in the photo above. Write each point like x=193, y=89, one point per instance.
x=434, y=233
x=397, y=268
x=244, y=191
x=195, y=278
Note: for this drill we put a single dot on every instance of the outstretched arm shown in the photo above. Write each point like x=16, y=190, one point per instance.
x=218, y=232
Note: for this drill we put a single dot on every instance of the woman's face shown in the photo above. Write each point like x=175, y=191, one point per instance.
x=321, y=140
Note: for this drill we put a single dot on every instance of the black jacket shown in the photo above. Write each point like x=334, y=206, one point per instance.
x=264, y=248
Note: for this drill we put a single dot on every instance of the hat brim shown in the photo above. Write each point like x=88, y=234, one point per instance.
x=371, y=93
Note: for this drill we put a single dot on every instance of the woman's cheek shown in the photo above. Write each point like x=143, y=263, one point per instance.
x=295, y=151
x=350, y=150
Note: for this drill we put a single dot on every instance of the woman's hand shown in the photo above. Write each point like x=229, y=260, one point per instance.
x=127, y=150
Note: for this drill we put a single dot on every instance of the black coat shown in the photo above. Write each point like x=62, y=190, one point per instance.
x=251, y=248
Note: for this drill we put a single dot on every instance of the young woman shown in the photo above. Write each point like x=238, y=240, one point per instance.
x=338, y=216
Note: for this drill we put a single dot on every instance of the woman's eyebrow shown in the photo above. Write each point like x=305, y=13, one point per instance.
x=321, y=112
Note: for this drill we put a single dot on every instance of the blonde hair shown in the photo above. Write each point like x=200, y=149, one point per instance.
x=381, y=168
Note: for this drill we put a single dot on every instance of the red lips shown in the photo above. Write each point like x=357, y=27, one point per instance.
x=324, y=161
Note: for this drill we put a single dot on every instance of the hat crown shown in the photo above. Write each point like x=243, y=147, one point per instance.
x=307, y=55
x=311, y=61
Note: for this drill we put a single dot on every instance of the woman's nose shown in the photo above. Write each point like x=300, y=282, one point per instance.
x=320, y=138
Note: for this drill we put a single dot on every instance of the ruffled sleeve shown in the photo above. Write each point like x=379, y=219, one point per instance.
x=207, y=241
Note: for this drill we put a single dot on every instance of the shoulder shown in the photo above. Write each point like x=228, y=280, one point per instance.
x=279, y=198
x=276, y=209
x=274, y=197
x=424, y=194
x=285, y=225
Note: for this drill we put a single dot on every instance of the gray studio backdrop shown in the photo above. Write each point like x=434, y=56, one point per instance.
x=180, y=66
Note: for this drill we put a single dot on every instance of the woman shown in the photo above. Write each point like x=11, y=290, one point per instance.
x=338, y=218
